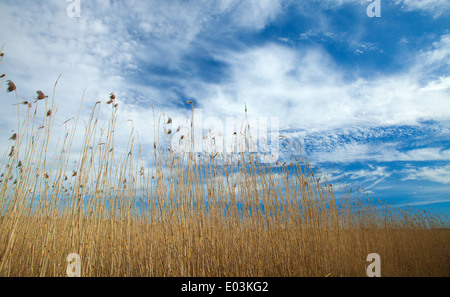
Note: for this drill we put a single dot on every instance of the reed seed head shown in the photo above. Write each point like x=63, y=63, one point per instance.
x=13, y=137
x=40, y=95
x=25, y=103
x=49, y=112
x=2, y=76
x=112, y=96
x=11, y=86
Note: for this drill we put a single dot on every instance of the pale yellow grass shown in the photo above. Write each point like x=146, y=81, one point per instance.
x=96, y=209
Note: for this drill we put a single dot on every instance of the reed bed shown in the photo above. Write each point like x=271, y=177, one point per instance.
x=170, y=214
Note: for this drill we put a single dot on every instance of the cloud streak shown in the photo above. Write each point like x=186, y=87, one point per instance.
x=217, y=54
x=438, y=174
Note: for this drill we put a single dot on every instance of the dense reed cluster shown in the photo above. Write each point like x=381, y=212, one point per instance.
x=185, y=214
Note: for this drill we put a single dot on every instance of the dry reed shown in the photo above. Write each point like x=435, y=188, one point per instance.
x=190, y=215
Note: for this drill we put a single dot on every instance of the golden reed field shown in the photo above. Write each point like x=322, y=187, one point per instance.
x=169, y=214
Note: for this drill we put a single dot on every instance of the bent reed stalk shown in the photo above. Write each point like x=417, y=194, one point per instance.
x=169, y=214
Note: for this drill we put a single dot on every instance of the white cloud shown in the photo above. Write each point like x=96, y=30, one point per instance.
x=255, y=14
x=369, y=175
x=103, y=48
x=421, y=203
x=434, y=7
x=381, y=153
x=305, y=88
x=337, y=3
x=424, y=154
x=440, y=174
x=441, y=84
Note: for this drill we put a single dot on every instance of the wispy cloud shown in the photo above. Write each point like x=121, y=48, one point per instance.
x=149, y=53
x=306, y=87
x=380, y=153
x=434, y=7
x=438, y=174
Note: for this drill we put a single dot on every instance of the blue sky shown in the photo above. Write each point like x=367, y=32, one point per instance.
x=368, y=98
